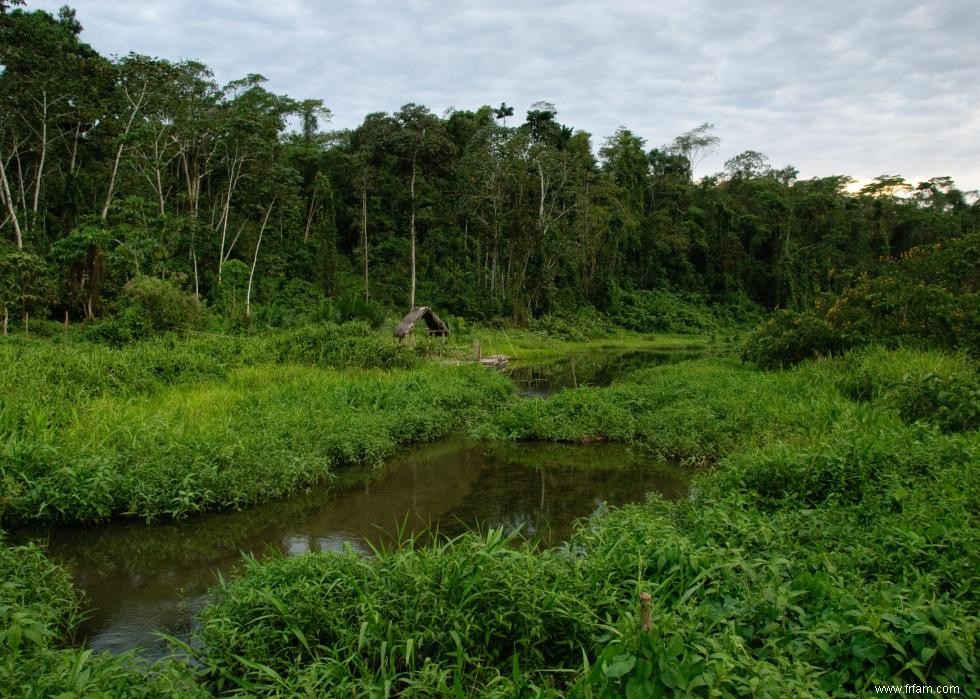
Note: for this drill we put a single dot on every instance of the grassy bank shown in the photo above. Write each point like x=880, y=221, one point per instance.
x=832, y=548
x=830, y=545
x=539, y=347
x=39, y=611
x=163, y=430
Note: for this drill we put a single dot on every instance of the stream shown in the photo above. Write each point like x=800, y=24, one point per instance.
x=138, y=578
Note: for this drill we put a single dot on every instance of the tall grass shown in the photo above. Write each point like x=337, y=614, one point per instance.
x=832, y=548
x=132, y=434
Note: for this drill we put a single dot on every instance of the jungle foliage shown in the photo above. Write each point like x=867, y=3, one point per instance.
x=120, y=171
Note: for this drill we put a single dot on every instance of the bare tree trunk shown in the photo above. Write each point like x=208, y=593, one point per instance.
x=309, y=217
x=20, y=182
x=44, y=152
x=27, y=328
x=255, y=259
x=412, y=229
x=74, y=148
x=234, y=176
x=197, y=284
x=163, y=209
x=119, y=151
x=364, y=237
x=9, y=200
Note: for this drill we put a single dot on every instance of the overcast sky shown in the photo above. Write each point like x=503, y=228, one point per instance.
x=855, y=87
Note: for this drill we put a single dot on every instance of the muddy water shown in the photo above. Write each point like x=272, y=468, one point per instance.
x=139, y=578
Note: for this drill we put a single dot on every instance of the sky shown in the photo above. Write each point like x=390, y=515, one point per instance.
x=836, y=87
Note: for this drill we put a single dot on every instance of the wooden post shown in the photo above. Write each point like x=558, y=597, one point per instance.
x=477, y=350
x=646, y=624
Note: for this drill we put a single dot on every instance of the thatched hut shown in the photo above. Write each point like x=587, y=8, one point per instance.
x=434, y=326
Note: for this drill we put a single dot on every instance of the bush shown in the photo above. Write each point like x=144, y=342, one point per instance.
x=38, y=615
x=584, y=325
x=351, y=307
x=351, y=344
x=788, y=338
x=157, y=305
x=470, y=607
x=894, y=310
x=927, y=299
x=950, y=402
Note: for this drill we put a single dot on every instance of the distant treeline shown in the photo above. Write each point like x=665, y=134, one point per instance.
x=114, y=169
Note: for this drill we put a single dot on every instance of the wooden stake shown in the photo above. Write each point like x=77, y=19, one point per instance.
x=646, y=624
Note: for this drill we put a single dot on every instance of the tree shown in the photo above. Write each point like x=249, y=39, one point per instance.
x=502, y=112
x=695, y=145
x=421, y=143
x=748, y=164
x=23, y=282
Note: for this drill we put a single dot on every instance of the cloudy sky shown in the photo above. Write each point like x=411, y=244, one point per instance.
x=856, y=87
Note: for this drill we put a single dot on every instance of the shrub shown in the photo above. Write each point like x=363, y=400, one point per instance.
x=351, y=307
x=156, y=305
x=950, y=402
x=788, y=338
x=927, y=299
x=584, y=325
x=351, y=344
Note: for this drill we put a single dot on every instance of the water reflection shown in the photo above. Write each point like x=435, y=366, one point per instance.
x=588, y=369
x=139, y=578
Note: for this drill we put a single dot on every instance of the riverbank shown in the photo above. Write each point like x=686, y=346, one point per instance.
x=169, y=427
x=830, y=546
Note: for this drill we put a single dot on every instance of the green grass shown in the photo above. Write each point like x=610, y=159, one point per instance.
x=537, y=348
x=830, y=546
x=111, y=434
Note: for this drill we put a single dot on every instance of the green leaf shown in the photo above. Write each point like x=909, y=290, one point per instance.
x=620, y=666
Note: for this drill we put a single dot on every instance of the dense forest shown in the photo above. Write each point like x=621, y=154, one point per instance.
x=814, y=533
x=117, y=173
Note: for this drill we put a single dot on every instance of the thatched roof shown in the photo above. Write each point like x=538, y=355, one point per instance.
x=435, y=326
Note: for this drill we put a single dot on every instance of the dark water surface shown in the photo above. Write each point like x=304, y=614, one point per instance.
x=140, y=578
x=588, y=369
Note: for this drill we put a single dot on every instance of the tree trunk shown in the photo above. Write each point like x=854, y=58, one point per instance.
x=309, y=218
x=40, y=165
x=411, y=304
x=197, y=283
x=119, y=151
x=74, y=148
x=9, y=200
x=234, y=176
x=364, y=237
x=255, y=259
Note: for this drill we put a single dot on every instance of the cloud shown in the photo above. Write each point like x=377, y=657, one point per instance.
x=832, y=87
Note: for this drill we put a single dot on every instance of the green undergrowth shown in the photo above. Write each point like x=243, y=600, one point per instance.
x=260, y=433
x=39, y=611
x=705, y=409
x=528, y=346
x=780, y=577
x=833, y=547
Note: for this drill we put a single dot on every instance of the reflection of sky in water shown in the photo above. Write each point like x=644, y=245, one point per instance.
x=138, y=578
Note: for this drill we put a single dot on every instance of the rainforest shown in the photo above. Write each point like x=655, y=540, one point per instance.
x=729, y=444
